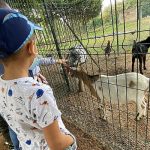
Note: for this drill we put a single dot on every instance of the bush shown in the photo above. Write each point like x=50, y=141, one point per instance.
x=95, y=22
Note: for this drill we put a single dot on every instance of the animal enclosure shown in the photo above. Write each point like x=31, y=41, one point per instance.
x=107, y=36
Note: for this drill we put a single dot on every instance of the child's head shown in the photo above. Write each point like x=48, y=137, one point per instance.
x=16, y=35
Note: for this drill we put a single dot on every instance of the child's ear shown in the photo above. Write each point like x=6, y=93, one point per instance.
x=31, y=48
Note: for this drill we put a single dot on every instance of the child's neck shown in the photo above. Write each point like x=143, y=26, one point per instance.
x=16, y=72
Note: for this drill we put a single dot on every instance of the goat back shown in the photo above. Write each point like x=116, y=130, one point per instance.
x=139, y=49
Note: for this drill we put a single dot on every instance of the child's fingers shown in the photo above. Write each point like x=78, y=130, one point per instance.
x=64, y=61
x=39, y=79
x=42, y=79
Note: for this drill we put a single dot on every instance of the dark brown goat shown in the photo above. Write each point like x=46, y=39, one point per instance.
x=107, y=50
x=139, y=51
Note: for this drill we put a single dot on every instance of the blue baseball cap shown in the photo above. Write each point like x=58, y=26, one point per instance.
x=15, y=31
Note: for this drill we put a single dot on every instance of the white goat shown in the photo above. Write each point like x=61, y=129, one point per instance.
x=120, y=88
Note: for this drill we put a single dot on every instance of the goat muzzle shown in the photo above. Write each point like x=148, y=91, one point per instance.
x=70, y=70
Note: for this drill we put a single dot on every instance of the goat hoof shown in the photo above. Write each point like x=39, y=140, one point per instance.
x=103, y=118
x=144, y=114
x=144, y=68
x=137, y=117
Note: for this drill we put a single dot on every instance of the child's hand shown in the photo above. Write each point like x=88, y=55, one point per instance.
x=41, y=78
x=61, y=61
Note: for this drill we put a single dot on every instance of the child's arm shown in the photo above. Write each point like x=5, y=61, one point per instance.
x=55, y=138
x=51, y=61
x=61, y=61
x=47, y=115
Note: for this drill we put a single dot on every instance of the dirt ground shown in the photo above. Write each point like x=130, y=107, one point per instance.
x=2, y=145
x=85, y=142
x=121, y=131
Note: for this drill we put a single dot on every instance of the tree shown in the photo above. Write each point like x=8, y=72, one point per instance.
x=76, y=9
x=144, y=4
x=142, y=7
x=145, y=8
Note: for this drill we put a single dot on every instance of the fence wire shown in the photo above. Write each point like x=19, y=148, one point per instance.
x=107, y=37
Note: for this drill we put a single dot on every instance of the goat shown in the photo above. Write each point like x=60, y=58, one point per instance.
x=139, y=51
x=107, y=50
x=120, y=88
x=77, y=55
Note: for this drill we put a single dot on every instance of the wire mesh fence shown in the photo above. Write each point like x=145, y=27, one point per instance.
x=107, y=36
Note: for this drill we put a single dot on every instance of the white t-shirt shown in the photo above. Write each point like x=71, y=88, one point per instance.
x=29, y=106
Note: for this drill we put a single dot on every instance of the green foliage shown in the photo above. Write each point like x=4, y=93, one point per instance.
x=143, y=4
x=95, y=22
x=130, y=3
x=146, y=9
x=108, y=15
x=77, y=9
x=83, y=10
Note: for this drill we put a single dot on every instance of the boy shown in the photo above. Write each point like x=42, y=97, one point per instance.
x=4, y=129
x=34, y=71
x=28, y=107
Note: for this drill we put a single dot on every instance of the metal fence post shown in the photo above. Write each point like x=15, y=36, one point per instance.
x=51, y=23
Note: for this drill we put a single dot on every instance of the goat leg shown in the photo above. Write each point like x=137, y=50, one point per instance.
x=102, y=111
x=140, y=64
x=81, y=85
x=141, y=107
x=144, y=61
x=133, y=60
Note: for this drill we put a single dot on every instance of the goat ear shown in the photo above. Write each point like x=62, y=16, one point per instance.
x=75, y=68
x=134, y=42
x=148, y=39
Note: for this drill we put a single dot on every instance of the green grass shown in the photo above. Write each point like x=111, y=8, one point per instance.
x=94, y=39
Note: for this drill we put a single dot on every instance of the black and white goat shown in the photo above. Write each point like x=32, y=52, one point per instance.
x=139, y=51
x=120, y=88
x=77, y=55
